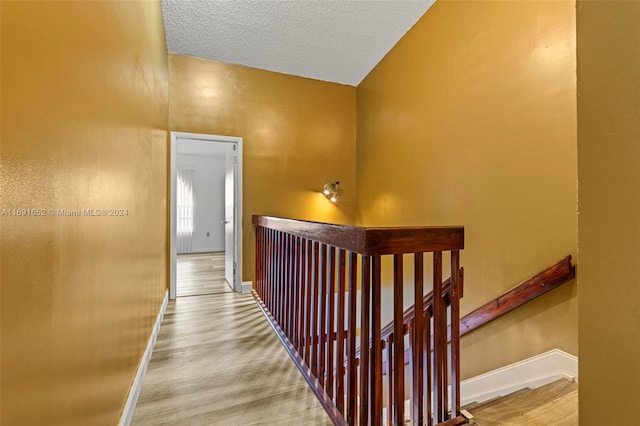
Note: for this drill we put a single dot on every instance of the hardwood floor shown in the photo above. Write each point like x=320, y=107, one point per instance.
x=554, y=404
x=218, y=362
x=201, y=273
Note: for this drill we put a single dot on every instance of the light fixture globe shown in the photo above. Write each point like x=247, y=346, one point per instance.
x=331, y=190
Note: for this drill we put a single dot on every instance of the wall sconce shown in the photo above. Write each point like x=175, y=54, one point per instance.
x=331, y=190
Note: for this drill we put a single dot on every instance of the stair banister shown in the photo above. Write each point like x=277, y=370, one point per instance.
x=299, y=266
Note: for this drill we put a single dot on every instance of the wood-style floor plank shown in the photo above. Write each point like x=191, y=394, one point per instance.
x=200, y=273
x=218, y=362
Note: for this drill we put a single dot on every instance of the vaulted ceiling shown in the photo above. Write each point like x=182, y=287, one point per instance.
x=339, y=41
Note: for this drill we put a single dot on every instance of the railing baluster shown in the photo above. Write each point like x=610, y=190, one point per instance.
x=314, y=317
x=455, y=333
x=301, y=295
x=290, y=292
x=331, y=334
x=340, y=337
x=281, y=283
x=272, y=271
x=309, y=290
x=352, y=371
x=264, y=262
x=284, y=288
x=295, y=289
x=285, y=283
x=268, y=281
x=428, y=371
x=416, y=353
x=365, y=301
x=259, y=261
x=410, y=369
x=439, y=342
x=265, y=265
x=292, y=286
x=375, y=390
x=398, y=332
x=276, y=276
x=322, y=314
x=390, y=380
x=283, y=280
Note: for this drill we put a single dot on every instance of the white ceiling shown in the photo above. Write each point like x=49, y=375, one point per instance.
x=332, y=40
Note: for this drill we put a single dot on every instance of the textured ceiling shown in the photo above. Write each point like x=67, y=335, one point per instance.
x=339, y=40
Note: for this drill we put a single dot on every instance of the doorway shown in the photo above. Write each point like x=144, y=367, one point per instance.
x=231, y=147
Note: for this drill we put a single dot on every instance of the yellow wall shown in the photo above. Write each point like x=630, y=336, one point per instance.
x=298, y=134
x=471, y=120
x=609, y=220
x=84, y=118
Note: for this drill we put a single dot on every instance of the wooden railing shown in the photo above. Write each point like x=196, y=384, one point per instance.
x=543, y=282
x=307, y=284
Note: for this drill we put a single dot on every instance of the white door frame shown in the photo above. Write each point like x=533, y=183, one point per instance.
x=237, y=285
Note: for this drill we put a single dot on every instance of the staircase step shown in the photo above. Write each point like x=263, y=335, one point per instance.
x=552, y=404
x=473, y=407
x=561, y=411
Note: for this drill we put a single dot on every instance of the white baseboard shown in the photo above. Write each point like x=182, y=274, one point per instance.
x=136, y=387
x=204, y=250
x=529, y=373
x=247, y=286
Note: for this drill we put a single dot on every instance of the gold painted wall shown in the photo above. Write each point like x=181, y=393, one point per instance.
x=84, y=126
x=298, y=134
x=471, y=120
x=609, y=200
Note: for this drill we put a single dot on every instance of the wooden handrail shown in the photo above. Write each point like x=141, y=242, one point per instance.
x=370, y=241
x=302, y=267
x=543, y=282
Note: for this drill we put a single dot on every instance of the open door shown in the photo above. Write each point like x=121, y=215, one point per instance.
x=229, y=217
x=233, y=208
